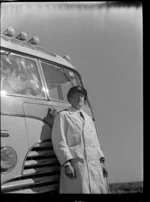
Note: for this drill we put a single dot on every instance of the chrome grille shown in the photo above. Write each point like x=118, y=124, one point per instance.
x=40, y=173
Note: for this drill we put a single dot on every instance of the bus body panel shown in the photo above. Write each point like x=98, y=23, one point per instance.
x=37, y=128
x=17, y=139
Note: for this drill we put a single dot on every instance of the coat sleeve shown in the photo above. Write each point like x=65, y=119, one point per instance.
x=101, y=151
x=102, y=154
x=59, y=139
x=102, y=157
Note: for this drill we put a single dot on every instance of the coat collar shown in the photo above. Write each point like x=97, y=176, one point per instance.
x=72, y=109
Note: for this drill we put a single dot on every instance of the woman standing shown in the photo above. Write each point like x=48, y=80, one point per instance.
x=77, y=148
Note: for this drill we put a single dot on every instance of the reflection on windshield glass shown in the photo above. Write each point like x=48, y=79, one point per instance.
x=20, y=75
x=59, y=81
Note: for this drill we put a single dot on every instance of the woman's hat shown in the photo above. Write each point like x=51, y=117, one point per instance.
x=75, y=89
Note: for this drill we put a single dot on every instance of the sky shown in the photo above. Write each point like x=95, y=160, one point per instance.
x=105, y=46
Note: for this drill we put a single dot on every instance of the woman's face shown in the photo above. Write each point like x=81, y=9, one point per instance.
x=77, y=100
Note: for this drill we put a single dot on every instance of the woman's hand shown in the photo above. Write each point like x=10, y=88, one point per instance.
x=70, y=171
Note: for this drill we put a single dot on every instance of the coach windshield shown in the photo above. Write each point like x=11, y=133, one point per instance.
x=59, y=80
x=20, y=76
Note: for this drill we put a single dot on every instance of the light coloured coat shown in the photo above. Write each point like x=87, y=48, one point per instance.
x=75, y=138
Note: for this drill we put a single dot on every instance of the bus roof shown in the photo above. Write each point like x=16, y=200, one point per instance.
x=25, y=47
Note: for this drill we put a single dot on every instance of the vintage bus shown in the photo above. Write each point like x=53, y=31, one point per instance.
x=34, y=85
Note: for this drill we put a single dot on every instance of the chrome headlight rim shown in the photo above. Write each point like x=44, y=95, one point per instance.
x=13, y=154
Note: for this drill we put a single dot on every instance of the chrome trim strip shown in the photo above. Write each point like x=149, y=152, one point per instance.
x=4, y=134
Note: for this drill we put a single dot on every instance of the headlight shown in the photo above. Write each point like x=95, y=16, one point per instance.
x=8, y=159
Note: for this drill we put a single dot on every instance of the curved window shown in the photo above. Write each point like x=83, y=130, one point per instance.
x=19, y=75
x=59, y=81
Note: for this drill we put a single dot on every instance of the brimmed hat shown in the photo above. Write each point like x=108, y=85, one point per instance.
x=75, y=89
